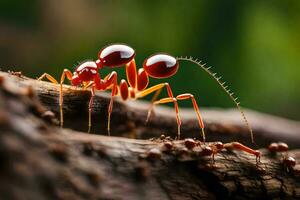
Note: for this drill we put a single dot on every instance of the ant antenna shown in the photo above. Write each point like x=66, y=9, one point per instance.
x=224, y=87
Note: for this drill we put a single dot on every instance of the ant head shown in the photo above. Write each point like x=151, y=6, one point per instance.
x=86, y=71
x=75, y=79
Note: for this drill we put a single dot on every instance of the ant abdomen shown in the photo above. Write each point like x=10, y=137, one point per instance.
x=115, y=55
x=161, y=66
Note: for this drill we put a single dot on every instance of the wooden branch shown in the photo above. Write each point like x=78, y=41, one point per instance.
x=42, y=161
x=129, y=117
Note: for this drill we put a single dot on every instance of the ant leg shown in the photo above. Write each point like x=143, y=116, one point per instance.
x=169, y=100
x=86, y=86
x=91, y=85
x=90, y=107
x=196, y=108
x=66, y=73
x=49, y=77
x=150, y=109
x=239, y=146
x=157, y=88
x=52, y=80
x=110, y=81
x=113, y=92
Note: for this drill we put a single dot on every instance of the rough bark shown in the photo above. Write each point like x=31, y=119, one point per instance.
x=43, y=161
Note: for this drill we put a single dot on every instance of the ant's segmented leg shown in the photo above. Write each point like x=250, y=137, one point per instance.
x=90, y=108
x=150, y=109
x=91, y=85
x=66, y=73
x=49, y=77
x=113, y=92
x=110, y=82
x=169, y=100
x=150, y=90
x=196, y=108
x=86, y=86
x=239, y=146
x=157, y=89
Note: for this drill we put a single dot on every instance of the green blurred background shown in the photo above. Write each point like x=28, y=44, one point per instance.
x=254, y=45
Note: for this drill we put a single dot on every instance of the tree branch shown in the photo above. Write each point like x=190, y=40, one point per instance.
x=129, y=117
x=42, y=161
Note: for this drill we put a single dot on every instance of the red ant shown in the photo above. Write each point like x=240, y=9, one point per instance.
x=156, y=66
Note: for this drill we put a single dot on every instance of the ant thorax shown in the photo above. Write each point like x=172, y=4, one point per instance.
x=115, y=55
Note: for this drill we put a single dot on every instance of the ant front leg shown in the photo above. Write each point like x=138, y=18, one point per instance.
x=66, y=73
x=157, y=88
x=109, y=82
x=196, y=108
x=90, y=107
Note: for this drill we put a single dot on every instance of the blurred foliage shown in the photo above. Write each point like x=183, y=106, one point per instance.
x=254, y=45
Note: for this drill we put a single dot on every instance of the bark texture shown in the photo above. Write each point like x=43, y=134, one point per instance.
x=42, y=161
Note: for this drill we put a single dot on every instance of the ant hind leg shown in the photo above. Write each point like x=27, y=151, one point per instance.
x=150, y=109
x=196, y=108
x=157, y=89
x=169, y=100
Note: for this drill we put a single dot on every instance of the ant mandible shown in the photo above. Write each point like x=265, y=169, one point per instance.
x=156, y=66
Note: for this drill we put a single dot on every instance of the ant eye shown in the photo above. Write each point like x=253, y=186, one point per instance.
x=116, y=55
x=161, y=66
x=93, y=71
